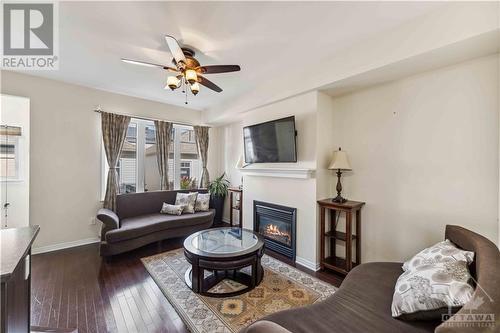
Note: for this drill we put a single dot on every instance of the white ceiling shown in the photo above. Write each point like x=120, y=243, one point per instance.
x=264, y=38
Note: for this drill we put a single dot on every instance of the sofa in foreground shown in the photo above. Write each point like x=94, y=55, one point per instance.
x=138, y=221
x=363, y=302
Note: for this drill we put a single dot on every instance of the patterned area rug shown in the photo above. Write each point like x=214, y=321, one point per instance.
x=283, y=287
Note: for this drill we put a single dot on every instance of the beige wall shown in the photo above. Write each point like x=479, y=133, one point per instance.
x=66, y=150
x=326, y=144
x=424, y=151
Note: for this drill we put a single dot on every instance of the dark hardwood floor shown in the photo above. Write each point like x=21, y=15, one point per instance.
x=76, y=288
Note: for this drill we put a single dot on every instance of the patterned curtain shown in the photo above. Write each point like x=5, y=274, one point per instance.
x=201, y=133
x=163, y=140
x=114, y=131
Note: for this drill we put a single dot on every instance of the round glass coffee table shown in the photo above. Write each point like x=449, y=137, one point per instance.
x=223, y=252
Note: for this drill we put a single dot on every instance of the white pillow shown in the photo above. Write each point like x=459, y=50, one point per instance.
x=431, y=290
x=202, y=202
x=172, y=209
x=188, y=200
x=444, y=251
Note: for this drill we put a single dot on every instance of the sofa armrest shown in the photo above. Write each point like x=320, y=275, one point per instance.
x=109, y=219
x=265, y=326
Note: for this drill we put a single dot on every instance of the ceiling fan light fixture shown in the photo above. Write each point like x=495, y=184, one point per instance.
x=191, y=76
x=187, y=69
x=195, y=88
x=173, y=82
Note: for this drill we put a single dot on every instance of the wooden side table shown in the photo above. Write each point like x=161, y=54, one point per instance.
x=238, y=205
x=350, y=208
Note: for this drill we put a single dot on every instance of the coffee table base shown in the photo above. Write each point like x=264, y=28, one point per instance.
x=207, y=283
x=231, y=251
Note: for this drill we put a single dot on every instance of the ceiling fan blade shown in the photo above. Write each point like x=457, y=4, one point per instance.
x=214, y=69
x=175, y=49
x=209, y=84
x=148, y=64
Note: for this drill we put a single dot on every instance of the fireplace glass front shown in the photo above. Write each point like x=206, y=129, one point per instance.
x=277, y=224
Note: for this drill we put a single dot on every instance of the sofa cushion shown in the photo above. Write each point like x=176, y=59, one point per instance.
x=444, y=251
x=362, y=304
x=187, y=200
x=138, y=226
x=432, y=290
x=202, y=202
x=172, y=209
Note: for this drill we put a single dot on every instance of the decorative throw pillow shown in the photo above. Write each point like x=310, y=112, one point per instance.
x=202, y=202
x=172, y=209
x=430, y=290
x=188, y=200
x=444, y=251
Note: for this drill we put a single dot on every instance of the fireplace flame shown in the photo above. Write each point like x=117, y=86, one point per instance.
x=272, y=229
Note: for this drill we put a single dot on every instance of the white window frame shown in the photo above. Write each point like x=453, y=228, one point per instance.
x=141, y=155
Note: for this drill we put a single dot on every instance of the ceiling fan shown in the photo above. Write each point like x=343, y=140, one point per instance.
x=187, y=71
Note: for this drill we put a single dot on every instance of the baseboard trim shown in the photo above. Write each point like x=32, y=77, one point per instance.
x=307, y=264
x=62, y=246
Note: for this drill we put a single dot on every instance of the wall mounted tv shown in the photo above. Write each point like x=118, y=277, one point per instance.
x=271, y=142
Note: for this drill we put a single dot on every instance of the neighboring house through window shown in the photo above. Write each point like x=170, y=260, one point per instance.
x=185, y=169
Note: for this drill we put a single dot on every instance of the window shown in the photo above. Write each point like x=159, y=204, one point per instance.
x=187, y=172
x=138, y=168
x=9, y=158
x=151, y=173
x=127, y=164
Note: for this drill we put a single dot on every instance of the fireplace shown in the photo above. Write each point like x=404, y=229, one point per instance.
x=277, y=224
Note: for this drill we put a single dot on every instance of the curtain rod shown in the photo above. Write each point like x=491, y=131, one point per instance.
x=143, y=118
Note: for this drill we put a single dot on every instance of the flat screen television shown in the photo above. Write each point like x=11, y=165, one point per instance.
x=271, y=142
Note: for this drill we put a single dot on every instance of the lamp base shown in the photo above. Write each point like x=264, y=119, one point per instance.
x=339, y=199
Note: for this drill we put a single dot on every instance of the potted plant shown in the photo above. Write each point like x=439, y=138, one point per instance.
x=218, y=192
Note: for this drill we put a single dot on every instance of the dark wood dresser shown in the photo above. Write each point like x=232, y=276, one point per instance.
x=15, y=268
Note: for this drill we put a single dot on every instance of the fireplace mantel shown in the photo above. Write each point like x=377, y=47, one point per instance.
x=300, y=173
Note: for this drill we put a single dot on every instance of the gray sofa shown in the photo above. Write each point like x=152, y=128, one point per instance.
x=363, y=302
x=137, y=221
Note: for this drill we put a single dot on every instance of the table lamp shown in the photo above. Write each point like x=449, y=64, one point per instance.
x=340, y=162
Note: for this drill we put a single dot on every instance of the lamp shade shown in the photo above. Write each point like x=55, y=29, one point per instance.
x=191, y=76
x=195, y=88
x=340, y=161
x=239, y=164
